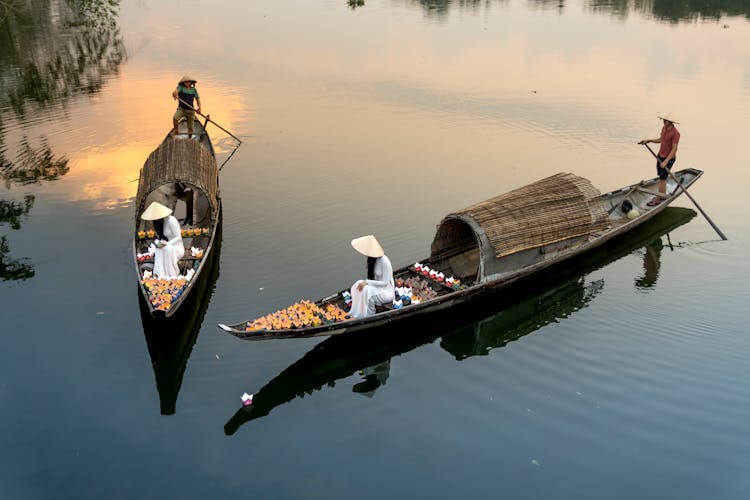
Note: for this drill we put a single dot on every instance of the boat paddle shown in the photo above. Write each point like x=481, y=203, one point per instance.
x=210, y=120
x=718, y=231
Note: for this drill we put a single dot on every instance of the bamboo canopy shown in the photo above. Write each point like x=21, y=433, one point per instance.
x=178, y=160
x=551, y=210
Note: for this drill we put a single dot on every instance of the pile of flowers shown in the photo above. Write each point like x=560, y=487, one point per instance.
x=144, y=257
x=420, y=289
x=198, y=231
x=162, y=292
x=302, y=314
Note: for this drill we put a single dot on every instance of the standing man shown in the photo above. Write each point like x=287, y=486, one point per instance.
x=668, y=140
x=185, y=93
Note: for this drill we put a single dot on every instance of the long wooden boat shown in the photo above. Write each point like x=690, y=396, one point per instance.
x=182, y=174
x=488, y=246
x=474, y=329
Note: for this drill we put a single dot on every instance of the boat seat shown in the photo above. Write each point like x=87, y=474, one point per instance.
x=379, y=308
x=652, y=193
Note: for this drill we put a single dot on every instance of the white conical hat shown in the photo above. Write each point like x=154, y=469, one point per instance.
x=368, y=245
x=155, y=211
x=670, y=117
x=187, y=78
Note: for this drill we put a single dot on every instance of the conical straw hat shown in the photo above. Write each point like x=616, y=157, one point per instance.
x=670, y=117
x=187, y=78
x=155, y=211
x=368, y=245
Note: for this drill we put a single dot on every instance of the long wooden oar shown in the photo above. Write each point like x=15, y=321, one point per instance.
x=209, y=119
x=718, y=231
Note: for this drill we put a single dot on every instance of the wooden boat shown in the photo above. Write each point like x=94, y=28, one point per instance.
x=473, y=329
x=495, y=243
x=180, y=173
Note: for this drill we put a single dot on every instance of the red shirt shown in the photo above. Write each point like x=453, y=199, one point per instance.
x=669, y=137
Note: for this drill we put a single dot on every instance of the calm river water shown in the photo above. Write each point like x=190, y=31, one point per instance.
x=624, y=377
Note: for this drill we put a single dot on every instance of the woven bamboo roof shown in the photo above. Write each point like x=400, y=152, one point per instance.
x=554, y=209
x=185, y=161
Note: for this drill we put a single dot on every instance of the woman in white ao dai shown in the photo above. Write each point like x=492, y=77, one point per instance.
x=379, y=286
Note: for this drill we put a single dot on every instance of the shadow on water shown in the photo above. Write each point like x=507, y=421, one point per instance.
x=473, y=330
x=170, y=340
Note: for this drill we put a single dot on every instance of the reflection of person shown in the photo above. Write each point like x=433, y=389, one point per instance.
x=374, y=377
x=185, y=93
x=651, y=264
x=378, y=288
x=668, y=141
x=168, y=248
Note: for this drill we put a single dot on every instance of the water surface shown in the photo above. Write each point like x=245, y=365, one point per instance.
x=621, y=376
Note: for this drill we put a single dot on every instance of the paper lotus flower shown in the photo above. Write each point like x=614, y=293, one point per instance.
x=303, y=314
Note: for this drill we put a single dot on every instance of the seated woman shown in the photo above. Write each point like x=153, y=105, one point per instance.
x=168, y=248
x=378, y=287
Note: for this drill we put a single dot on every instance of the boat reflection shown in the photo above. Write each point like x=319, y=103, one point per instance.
x=170, y=340
x=513, y=313
x=481, y=326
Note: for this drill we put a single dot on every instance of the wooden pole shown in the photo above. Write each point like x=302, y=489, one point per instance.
x=718, y=231
x=210, y=120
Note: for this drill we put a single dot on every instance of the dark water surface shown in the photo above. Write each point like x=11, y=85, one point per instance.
x=622, y=376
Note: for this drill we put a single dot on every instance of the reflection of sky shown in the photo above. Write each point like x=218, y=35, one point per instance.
x=109, y=137
x=503, y=86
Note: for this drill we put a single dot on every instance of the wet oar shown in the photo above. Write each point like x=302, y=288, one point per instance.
x=718, y=231
x=209, y=119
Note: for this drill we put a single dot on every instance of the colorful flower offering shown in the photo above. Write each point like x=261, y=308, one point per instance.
x=303, y=314
x=144, y=235
x=144, y=257
x=196, y=252
x=420, y=289
x=436, y=275
x=198, y=231
x=163, y=292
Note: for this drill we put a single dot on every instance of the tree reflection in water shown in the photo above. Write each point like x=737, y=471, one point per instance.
x=673, y=11
x=50, y=52
x=11, y=213
x=32, y=165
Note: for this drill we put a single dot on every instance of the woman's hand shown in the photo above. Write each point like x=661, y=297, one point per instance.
x=361, y=285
